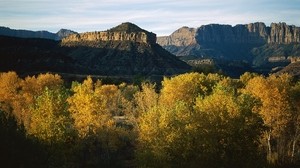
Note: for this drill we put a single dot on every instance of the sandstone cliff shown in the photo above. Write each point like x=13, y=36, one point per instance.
x=231, y=42
x=252, y=33
x=256, y=44
x=182, y=37
x=123, y=32
x=282, y=33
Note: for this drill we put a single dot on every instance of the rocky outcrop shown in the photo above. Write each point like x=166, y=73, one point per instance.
x=62, y=33
x=123, y=32
x=281, y=33
x=5, y=31
x=182, y=37
x=253, y=33
x=229, y=42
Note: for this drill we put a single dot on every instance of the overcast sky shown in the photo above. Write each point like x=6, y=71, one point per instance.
x=159, y=16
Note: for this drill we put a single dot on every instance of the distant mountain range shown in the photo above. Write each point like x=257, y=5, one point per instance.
x=253, y=44
x=123, y=51
x=127, y=50
x=5, y=31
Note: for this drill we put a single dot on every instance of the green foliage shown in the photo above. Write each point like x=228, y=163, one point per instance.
x=50, y=120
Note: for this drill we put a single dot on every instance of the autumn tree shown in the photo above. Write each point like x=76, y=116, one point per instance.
x=50, y=119
x=219, y=128
x=145, y=99
x=187, y=87
x=276, y=110
x=9, y=94
x=93, y=106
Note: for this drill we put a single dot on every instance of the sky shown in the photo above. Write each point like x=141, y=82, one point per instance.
x=158, y=16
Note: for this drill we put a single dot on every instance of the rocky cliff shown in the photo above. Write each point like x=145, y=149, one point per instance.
x=248, y=34
x=282, y=33
x=123, y=32
x=226, y=41
x=253, y=33
x=182, y=37
x=256, y=44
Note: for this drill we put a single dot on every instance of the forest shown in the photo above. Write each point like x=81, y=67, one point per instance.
x=189, y=120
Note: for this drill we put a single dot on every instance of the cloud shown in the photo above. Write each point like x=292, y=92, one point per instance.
x=159, y=16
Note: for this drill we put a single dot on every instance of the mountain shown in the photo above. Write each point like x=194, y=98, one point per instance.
x=125, y=50
x=250, y=43
x=5, y=31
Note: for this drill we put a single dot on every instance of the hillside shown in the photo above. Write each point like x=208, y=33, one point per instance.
x=125, y=50
x=5, y=31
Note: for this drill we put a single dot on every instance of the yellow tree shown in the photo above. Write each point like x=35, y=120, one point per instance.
x=32, y=87
x=275, y=109
x=92, y=106
x=187, y=87
x=146, y=99
x=214, y=132
x=9, y=94
x=229, y=127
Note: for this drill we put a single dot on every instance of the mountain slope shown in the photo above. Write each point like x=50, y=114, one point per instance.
x=5, y=31
x=125, y=50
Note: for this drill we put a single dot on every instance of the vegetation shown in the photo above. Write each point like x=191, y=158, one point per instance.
x=192, y=120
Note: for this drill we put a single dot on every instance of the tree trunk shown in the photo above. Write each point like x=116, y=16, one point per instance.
x=269, y=144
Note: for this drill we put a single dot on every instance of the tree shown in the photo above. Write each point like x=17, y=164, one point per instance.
x=9, y=94
x=276, y=111
x=93, y=106
x=187, y=87
x=50, y=120
x=217, y=130
x=145, y=99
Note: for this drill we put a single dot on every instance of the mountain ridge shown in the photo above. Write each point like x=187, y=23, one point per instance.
x=43, y=34
x=114, y=52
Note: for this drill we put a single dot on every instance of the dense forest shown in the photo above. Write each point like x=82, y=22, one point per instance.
x=190, y=120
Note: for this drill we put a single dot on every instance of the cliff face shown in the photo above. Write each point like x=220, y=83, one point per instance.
x=253, y=33
x=182, y=37
x=123, y=50
x=123, y=32
x=229, y=42
x=281, y=33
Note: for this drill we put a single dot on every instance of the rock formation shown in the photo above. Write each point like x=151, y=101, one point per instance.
x=123, y=32
x=182, y=37
x=255, y=43
x=253, y=33
x=282, y=33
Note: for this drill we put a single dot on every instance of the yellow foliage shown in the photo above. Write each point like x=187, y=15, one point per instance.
x=146, y=99
x=273, y=93
x=187, y=87
x=9, y=93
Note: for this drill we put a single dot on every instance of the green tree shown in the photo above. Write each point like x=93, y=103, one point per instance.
x=50, y=119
